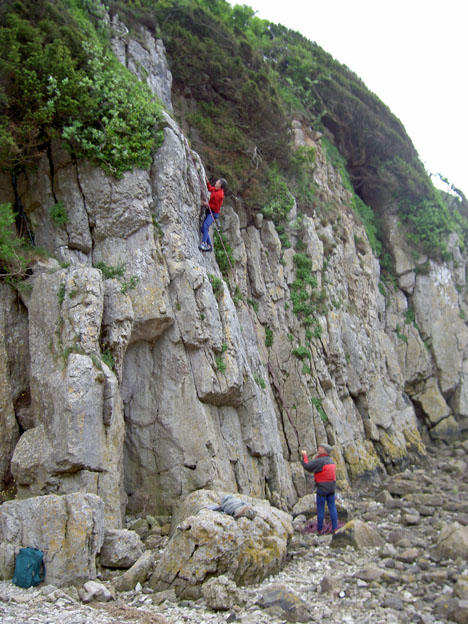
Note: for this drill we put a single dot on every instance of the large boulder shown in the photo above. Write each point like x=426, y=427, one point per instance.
x=211, y=543
x=453, y=541
x=357, y=534
x=283, y=601
x=121, y=548
x=68, y=529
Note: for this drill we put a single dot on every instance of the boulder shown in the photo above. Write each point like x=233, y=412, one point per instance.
x=357, y=534
x=369, y=574
x=285, y=602
x=95, y=591
x=330, y=585
x=461, y=588
x=68, y=529
x=401, y=485
x=121, y=548
x=452, y=609
x=211, y=543
x=220, y=593
x=452, y=542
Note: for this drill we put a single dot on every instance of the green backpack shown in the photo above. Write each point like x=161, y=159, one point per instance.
x=29, y=567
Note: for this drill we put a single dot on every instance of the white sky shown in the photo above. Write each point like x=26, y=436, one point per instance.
x=413, y=54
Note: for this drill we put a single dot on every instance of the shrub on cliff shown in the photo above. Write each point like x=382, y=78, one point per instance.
x=60, y=81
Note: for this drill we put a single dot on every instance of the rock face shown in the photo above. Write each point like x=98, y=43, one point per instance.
x=68, y=529
x=127, y=372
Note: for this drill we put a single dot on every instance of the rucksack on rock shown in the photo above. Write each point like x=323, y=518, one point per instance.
x=29, y=567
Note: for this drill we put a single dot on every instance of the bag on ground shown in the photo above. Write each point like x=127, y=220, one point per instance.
x=29, y=567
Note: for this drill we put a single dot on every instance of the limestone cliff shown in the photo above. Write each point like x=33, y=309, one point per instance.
x=130, y=369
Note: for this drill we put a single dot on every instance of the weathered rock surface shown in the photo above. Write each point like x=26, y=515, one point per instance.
x=453, y=542
x=121, y=548
x=68, y=529
x=211, y=543
x=358, y=535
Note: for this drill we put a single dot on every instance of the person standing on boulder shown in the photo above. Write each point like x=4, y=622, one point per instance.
x=324, y=469
x=212, y=211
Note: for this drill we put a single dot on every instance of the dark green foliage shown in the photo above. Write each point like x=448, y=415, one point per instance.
x=268, y=337
x=108, y=359
x=61, y=81
x=220, y=364
x=279, y=198
x=13, y=250
x=259, y=381
x=118, y=272
x=61, y=293
x=245, y=79
x=58, y=214
x=111, y=272
x=238, y=114
x=223, y=253
x=301, y=353
x=129, y=284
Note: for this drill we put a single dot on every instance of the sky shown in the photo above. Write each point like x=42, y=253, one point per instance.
x=413, y=54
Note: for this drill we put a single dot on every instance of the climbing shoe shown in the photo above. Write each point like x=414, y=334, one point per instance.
x=205, y=247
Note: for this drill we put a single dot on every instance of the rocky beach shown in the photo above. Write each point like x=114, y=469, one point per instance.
x=402, y=556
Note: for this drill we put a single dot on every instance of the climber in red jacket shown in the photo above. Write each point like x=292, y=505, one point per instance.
x=212, y=211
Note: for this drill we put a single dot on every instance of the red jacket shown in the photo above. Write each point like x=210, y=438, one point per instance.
x=324, y=470
x=216, y=198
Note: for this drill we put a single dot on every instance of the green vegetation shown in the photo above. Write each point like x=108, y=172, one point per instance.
x=410, y=317
x=61, y=293
x=111, y=272
x=220, y=363
x=259, y=381
x=13, y=250
x=400, y=335
x=246, y=79
x=268, y=337
x=58, y=214
x=118, y=272
x=317, y=403
x=63, y=82
x=301, y=353
x=237, y=297
x=223, y=253
x=129, y=284
x=216, y=285
x=108, y=358
x=253, y=304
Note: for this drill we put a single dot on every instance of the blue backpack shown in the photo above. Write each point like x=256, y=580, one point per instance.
x=29, y=567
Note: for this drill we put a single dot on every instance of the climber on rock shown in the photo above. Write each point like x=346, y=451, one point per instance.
x=212, y=211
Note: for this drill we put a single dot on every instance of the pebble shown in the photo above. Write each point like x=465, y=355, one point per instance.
x=411, y=581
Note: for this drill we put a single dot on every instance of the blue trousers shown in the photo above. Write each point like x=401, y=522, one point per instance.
x=330, y=500
x=206, y=227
